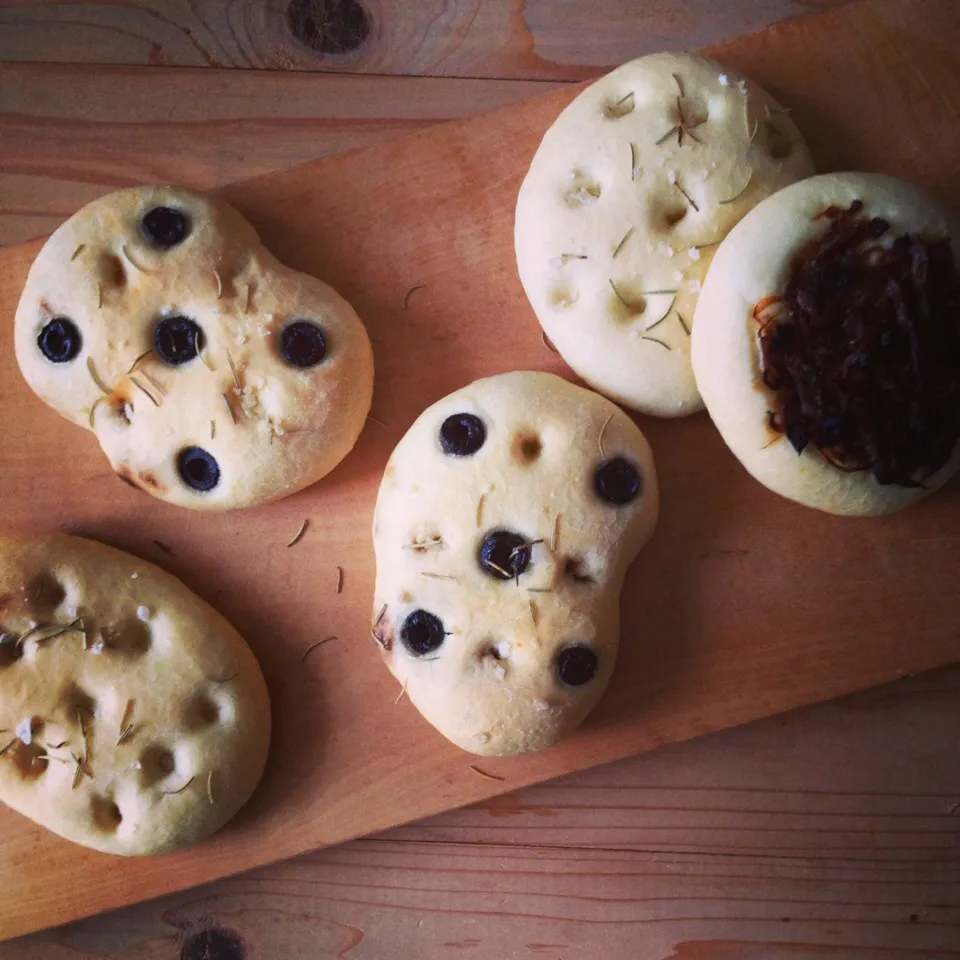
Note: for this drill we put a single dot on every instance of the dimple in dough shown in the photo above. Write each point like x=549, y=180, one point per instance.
x=754, y=263
x=492, y=685
x=270, y=427
x=618, y=217
x=134, y=718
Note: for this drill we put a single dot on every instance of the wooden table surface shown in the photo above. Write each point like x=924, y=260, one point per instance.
x=833, y=832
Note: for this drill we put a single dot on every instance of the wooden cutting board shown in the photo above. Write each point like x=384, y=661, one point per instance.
x=743, y=606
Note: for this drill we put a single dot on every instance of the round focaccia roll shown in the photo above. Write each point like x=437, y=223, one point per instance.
x=134, y=718
x=625, y=201
x=827, y=343
x=506, y=520
x=213, y=376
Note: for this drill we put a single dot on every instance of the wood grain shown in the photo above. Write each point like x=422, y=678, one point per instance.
x=762, y=843
x=767, y=649
x=514, y=39
x=71, y=133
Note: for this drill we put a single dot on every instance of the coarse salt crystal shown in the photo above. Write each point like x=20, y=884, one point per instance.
x=71, y=609
x=134, y=576
x=742, y=86
x=541, y=705
x=503, y=649
x=694, y=253
x=24, y=731
x=137, y=765
x=669, y=251
x=672, y=176
x=499, y=671
x=695, y=286
x=97, y=648
x=677, y=276
x=143, y=613
x=724, y=80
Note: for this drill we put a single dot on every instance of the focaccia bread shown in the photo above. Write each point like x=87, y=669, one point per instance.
x=213, y=376
x=504, y=526
x=619, y=215
x=133, y=718
x=827, y=343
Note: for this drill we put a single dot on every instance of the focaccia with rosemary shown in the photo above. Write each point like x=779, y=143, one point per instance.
x=504, y=526
x=629, y=193
x=827, y=343
x=213, y=376
x=133, y=717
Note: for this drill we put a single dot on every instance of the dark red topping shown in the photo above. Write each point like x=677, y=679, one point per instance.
x=422, y=633
x=863, y=350
x=303, y=344
x=577, y=665
x=177, y=340
x=462, y=434
x=617, y=481
x=165, y=227
x=60, y=340
x=504, y=555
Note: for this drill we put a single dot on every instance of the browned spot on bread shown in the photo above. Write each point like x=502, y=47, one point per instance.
x=126, y=475
x=149, y=479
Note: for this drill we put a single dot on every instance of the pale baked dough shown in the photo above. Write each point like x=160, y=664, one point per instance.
x=617, y=221
x=492, y=685
x=753, y=263
x=272, y=428
x=134, y=718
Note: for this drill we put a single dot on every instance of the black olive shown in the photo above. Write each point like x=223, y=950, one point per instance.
x=462, y=434
x=577, y=665
x=504, y=555
x=198, y=469
x=60, y=340
x=303, y=344
x=617, y=481
x=165, y=227
x=177, y=340
x=422, y=633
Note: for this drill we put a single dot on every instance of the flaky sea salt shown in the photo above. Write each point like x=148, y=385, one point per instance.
x=143, y=613
x=24, y=731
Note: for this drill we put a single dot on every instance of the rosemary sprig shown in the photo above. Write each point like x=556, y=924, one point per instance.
x=556, y=533
x=488, y=776
x=173, y=793
x=743, y=190
x=140, y=267
x=603, y=430
x=483, y=497
x=96, y=376
x=623, y=242
x=298, y=536
x=430, y=575
x=665, y=346
x=633, y=161
x=683, y=323
x=410, y=293
x=216, y=276
x=144, y=391
x=77, y=252
x=669, y=309
x=339, y=580
x=313, y=646
x=686, y=196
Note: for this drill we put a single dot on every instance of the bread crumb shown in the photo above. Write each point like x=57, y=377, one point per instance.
x=143, y=613
x=24, y=731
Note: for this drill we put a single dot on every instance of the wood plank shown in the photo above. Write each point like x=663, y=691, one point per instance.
x=535, y=39
x=71, y=133
x=772, y=641
x=762, y=843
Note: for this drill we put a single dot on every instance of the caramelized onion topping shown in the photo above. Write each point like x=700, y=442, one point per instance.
x=862, y=350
